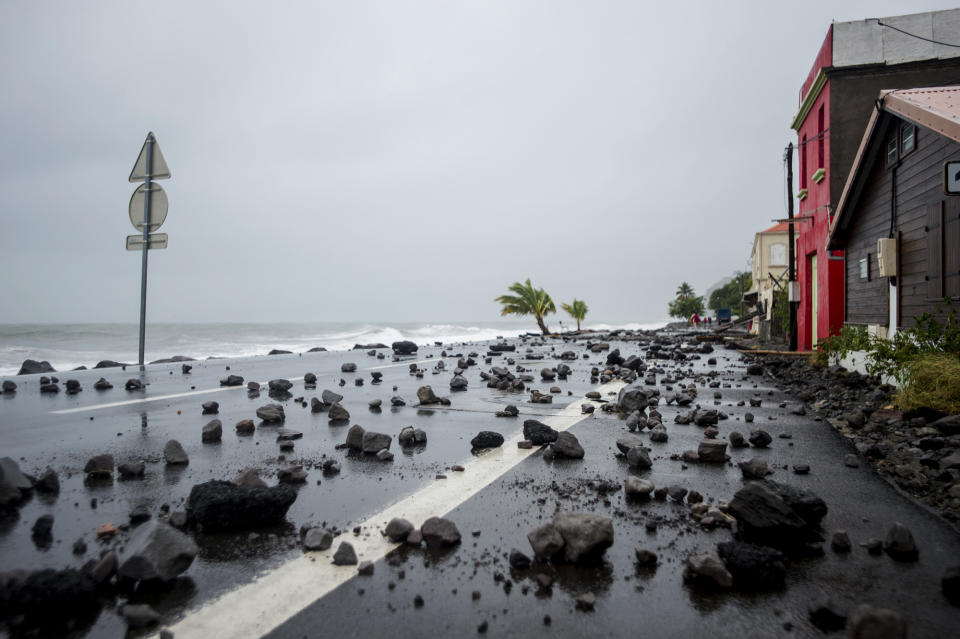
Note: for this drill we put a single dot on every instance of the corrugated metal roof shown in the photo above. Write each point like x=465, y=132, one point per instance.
x=936, y=108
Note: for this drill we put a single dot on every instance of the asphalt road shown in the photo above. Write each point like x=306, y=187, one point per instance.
x=523, y=492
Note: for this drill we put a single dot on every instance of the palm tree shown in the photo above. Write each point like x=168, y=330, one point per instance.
x=684, y=291
x=577, y=310
x=528, y=301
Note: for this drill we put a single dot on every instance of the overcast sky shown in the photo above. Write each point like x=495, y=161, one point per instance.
x=404, y=161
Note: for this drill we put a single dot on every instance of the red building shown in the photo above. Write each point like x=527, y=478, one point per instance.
x=855, y=62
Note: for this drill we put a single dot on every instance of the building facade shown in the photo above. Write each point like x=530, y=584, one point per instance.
x=855, y=62
x=769, y=258
x=896, y=193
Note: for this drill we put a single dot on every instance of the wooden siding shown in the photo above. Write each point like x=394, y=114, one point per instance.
x=923, y=242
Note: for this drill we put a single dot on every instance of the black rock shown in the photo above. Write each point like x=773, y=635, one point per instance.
x=107, y=363
x=232, y=380
x=753, y=567
x=538, y=432
x=210, y=408
x=487, y=439
x=760, y=438
x=518, y=560
x=804, y=502
x=763, y=517
x=950, y=584
x=404, y=347
x=899, y=543
x=33, y=367
x=278, y=351
x=826, y=616
x=50, y=601
x=223, y=506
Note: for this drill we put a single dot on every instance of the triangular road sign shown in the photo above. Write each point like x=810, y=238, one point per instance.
x=159, y=169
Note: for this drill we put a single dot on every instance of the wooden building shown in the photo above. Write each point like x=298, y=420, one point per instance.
x=856, y=60
x=896, y=191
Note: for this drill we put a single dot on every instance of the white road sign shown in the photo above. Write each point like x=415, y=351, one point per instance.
x=159, y=170
x=155, y=241
x=951, y=178
x=158, y=206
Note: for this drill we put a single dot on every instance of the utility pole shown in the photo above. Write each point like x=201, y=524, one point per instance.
x=792, y=258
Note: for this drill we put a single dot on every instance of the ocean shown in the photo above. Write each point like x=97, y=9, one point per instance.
x=67, y=346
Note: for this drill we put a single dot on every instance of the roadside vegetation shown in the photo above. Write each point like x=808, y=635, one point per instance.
x=528, y=300
x=923, y=359
x=730, y=295
x=686, y=303
x=577, y=309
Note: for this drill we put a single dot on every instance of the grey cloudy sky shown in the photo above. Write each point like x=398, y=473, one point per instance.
x=393, y=160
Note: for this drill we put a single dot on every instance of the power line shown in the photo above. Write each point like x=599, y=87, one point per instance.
x=918, y=37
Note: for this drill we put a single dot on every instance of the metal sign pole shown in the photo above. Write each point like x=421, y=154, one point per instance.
x=146, y=246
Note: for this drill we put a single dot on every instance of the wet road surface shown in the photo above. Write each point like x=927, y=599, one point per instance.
x=38, y=433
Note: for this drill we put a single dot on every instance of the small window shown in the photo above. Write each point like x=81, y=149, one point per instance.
x=891, y=152
x=778, y=254
x=908, y=138
x=865, y=268
x=803, y=163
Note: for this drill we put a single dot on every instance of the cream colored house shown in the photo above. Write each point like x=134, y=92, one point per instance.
x=769, y=258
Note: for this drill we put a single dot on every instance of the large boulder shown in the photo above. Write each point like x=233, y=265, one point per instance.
x=222, y=506
x=585, y=535
x=567, y=445
x=804, y=502
x=404, y=347
x=174, y=454
x=712, y=450
x=753, y=567
x=545, y=541
x=156, y=550
x=330, y=398
x=426, y=396
x=440, y=533
x=487, y=439
x=355, y=437
x=338, y=413
x=764, y=518
x=33, y=367
x=271, y=413
x=538, y=432
x=708, y=569
x=49, y=603
x=632, y=398
x=373, y=443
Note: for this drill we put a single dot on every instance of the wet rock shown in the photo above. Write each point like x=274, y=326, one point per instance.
x=755, y=468
x=9, y=386
x=51, y=387
x=690, y=457
x=545, y=541
x=73, y=386
x=133, y=384
x=638, y=488
x=404, y=347
x=330, y=398
x=712, y=451
x=948, y=426
x=547, y=374
x=801, y=469
x=271, y=413
x=102, y=384
x=33, y=367
x=292, y=475
x=316, y=406
x=174, y=454
x=232, y=380
x=210, y=408
x=373, y=443
x=764, y=518
x=288, y=434
x=760, y=438
x=156, y=550
x=538, y=432
x=345, y=555
x=508, y=411
x=840, y=542
x=899, y=543
x=42, y=531
x=950, y=584
x=426, y=396
x=440, y=533
x=755, y=369
x=131, y=469
x=487, y=439
x=707, y=569
x=398, y=529
x=639, y=458
x=49, y=602
x=586, y=536
x=348, y=367
x=804, y=502
x=659, y=434
x=536, y=397
x=756, y=568
x=518, y=560
x=223, y=506
x=355, y=437
x=99, y=466
x=676, y=493
x=645, y=558
x=632, y=398
x=586, y=601
x=568, y=446
x=851, y=461
x=48, y=482
x=628, y=441
x=212, y=432
x=338, y=413
x=868, y=622
x=245, y=427
x=317, y=539
x=827, y=616
x=248, y=477
x=139, y=615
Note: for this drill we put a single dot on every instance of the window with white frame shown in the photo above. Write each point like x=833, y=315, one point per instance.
x=778, y=254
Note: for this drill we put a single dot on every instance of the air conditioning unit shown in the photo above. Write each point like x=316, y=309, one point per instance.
x=887, y=257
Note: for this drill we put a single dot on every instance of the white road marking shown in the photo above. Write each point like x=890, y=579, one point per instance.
x=422, y=361
x=256, y=608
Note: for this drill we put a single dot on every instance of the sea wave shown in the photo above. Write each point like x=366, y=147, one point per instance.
x=68, y=346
